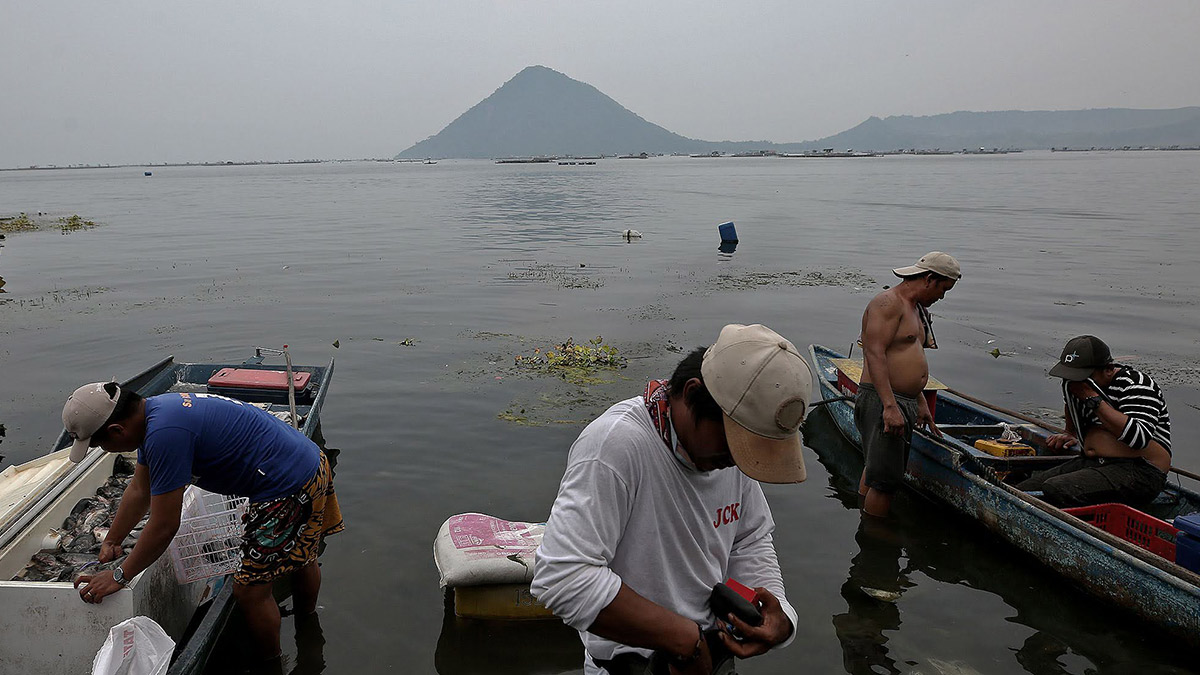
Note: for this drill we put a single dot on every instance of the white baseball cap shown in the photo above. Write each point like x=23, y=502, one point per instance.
x=763, y=386
x=934, y=261
x=86, y=410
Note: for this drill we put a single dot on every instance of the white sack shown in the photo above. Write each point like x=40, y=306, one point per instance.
x=136, y=646
x=473, y=549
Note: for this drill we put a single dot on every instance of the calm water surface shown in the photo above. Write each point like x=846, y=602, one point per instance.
x=476, y=262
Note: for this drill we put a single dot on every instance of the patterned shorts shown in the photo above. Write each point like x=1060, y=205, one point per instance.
x=284, y=534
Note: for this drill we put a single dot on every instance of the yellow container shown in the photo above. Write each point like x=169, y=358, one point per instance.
x=999, y=448
x=498, y=601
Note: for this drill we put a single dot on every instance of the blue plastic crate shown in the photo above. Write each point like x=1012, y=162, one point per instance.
x=1189, y=524
x=1187, y=552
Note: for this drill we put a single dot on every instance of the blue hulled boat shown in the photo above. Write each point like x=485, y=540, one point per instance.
x=952, y=471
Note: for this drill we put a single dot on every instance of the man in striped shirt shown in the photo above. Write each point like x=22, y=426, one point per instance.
x=1118, y=418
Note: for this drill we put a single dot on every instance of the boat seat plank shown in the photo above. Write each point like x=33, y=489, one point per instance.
x=1034, y=462
x=853, y=369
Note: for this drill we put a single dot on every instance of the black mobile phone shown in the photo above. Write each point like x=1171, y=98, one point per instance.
x=725, y=601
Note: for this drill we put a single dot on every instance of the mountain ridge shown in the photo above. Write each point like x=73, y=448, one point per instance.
x=542, y=112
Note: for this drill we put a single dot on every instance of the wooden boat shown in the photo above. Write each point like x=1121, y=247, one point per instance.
x=950, y=470
x=43, y=625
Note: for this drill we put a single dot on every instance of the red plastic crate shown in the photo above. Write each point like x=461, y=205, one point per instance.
x=1148, y=532
x=246, y=378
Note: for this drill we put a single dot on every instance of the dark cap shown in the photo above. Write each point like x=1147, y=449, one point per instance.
x=1080, y=357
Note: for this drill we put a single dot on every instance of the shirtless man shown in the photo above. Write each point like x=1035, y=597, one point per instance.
x=896, y=331
x=1121, y=418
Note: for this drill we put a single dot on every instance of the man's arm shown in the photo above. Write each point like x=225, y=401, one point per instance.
x=571, y=573
x=635, y=621
x=134, y=503
x=165, y=511
x=925, y=416
x=879, y=325
x=754, y=563
x=1132, y=429
x=160, y=529
x=1064, y=440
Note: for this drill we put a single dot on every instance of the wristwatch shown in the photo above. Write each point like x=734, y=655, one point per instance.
x=696, y=651
x=119, y=576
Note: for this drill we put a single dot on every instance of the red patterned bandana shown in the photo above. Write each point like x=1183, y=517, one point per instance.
x=657, y=404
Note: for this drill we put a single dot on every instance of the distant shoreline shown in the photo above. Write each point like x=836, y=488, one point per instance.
x=167, y=165
x=552, y=158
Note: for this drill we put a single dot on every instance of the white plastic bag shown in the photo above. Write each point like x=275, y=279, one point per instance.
x=1010, y=433
x=136, y=646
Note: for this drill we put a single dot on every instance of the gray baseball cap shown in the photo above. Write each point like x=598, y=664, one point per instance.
x=86, y=411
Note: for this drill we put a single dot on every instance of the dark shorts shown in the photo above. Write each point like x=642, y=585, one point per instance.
x=1084, y=481
x=886, y=455
x=283, y=535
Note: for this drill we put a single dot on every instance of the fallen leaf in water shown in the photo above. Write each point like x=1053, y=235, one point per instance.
x=883, y=596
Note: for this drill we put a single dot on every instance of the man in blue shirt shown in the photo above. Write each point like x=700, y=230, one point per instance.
x=221, y=445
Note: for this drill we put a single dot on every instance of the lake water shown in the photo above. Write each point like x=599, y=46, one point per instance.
x=476, y=263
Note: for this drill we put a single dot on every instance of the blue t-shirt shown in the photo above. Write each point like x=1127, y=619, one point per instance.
x=227, y=446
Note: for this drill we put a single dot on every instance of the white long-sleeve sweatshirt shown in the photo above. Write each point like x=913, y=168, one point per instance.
x=629, y=510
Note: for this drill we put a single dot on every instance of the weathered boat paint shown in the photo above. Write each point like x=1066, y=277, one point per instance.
x=1168, y=596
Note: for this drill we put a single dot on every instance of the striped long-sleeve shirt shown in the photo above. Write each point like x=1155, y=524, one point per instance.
x=1136, y=395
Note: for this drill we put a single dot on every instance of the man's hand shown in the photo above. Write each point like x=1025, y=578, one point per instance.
x=775, y=628
x=925, y=419
x=893, y=420
x=1082, y=390
x=1061, y=441
x=97, y=586
x=110, y=551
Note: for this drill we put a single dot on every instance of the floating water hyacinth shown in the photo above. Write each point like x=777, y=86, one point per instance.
x=576, y=363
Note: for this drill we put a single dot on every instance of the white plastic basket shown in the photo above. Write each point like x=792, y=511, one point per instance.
x=209, y=541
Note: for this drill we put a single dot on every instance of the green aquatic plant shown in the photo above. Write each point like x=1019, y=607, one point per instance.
x=18, y=223
x=576, y=363
x=69, y=224
x=23, y=222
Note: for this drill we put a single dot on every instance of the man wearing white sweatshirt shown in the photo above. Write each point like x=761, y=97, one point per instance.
x=650, y=514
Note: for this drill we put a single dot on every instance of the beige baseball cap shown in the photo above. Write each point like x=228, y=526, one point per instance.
x=86, y=410
x=934, y=261
x=763, y=386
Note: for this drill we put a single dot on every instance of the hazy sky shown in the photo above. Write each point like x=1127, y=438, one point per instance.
x=87, y=82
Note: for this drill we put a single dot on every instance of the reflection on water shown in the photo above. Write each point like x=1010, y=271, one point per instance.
x=545, y=206
x=725, y=251
x=477, y=646
x=871, y=592
x=924, y=544
x=234, y=652
x=310, y=646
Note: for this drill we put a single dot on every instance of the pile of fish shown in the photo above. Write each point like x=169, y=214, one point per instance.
x=73, y=548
